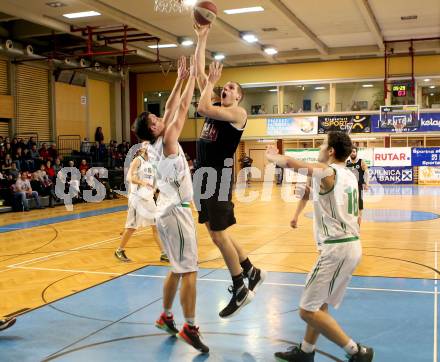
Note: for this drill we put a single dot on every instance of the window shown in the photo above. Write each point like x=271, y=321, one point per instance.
x=260, y=100
x=154, y=102
x=306, y=98
x=430, y=93
x=359, y=96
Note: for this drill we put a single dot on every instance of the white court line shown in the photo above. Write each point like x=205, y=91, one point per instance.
x=435, y=303
x=51, y=256
x=215, y=280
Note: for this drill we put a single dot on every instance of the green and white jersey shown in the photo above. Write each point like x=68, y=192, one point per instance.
x=145, y=172
x=335, y=212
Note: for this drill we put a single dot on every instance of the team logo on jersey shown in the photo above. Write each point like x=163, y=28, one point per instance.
x=209, y=132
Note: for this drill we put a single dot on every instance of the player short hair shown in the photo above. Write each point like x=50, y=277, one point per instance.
x=240, y=91
x=341, y=144
x=354, y=148
x=141, y=129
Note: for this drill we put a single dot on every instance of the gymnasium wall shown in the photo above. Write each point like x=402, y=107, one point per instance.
x=99, y=108
x=70, y=110
x=338, y=69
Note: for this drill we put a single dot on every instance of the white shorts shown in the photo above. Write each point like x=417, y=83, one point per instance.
x=178, y=234
x=329, y=278
x=140, y=213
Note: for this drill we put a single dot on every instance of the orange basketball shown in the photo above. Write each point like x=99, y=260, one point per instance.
x=205, y=12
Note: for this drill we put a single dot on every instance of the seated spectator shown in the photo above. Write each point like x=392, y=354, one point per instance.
x=31, y=142
x=42, y=184
x=50, y=170
x=34, y=152
x=23, y=190
x=8, y=148
x=14, y=145
x=7, y=163
x=71, y=163
x=53, y=152
x=1, y=141
x=18, y=158
x=84, y=183
x=6, y=185
x=2, y=152
x=83, y=166
x=21, y=144
x=14, y=171
x=28, y=164
x=44, y=152
x=58, y=165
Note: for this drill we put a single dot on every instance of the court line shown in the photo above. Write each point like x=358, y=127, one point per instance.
x=47, y=257
x=435, y=304
x=216, y=280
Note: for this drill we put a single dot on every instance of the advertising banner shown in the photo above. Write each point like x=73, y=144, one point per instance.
x=306, y=155
x=396, y=156
x=428, y=122
x=350, y=123
x=391, y=175
x=366, y=154
x=426, y=156
x=429, y=175
x=293, y=126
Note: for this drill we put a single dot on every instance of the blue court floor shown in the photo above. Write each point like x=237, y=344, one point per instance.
x=114, y=321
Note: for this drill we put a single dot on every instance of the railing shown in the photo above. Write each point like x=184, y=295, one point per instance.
x=68, y=143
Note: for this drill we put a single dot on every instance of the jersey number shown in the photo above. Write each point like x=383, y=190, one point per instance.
x=353, y=201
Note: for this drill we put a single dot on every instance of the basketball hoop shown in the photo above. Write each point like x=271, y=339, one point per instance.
x=399, y=126
x=170, y=6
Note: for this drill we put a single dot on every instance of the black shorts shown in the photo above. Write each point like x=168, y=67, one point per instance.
x=361, y=196
x=219, y=213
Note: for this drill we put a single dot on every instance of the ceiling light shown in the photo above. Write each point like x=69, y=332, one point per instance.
x=273, y=90
x=253, y=9
x=161, y=46
x=270, y=51
x=432, y=86
x=431, y=94
x=83, y=14
x=55, y=4
x=367, y=85
x=250, y=38
x=145, y=100
x=319, y=88
x=186, y=42
x=160, y=94
x=427, y=80
x=219, y=56
x=189, y=2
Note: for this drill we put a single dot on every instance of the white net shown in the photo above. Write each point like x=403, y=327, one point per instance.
x=169, y=6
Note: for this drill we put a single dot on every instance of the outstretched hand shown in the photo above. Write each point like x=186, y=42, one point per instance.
x=201, y=30
x=215, y=72
x=271, y=151
x=182, y=72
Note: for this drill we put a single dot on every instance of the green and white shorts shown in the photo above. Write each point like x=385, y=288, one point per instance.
x=178, y=234
x=329, y=278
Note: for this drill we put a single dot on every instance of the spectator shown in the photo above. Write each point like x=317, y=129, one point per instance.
x=50, y=171
x=2, y=152
x=14, y=171
x=23, y=190
x=57, y=166
x=18, y=158
x=21, y=144
x=6, y=185
x=1, y=141
x=246, y=162
x=42, y=184
x=99, y=135
x=8, y=148
x=28, y=164
x=14, y=145
x=53, y=152
x=31, y=142
x=83, y=184
x=85, y=146
x=7, y=163
x=262, y=109
x=102, y=151
x=71, y=163
x=34, y=152
x=44, y=152
x=83, y=166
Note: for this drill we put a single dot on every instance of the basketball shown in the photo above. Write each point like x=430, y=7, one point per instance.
x=205, y=12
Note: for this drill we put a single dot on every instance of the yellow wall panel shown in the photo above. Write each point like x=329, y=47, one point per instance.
x=71, y=115
x=99, y=108
x=7, y=109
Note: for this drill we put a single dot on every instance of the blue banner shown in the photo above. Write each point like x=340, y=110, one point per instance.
x=391, y=175
x=426, y=156
x=428, y=122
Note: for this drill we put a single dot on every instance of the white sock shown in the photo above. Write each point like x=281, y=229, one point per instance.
x=351, y=348
x=168, y=312
x=190, y=321
x=307, y=347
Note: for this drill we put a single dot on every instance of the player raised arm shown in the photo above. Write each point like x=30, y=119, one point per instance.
x=202, y=38
x=230, y=112
x=174, y=98
x=318, y=169
x=173, y=130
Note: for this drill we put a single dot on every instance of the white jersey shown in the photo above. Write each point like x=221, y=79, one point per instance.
x=335, y=212
x=173, y=174
x=145, y=172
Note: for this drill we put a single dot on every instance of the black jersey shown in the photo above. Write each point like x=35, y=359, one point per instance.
x=356, y=168
x=218, y=140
